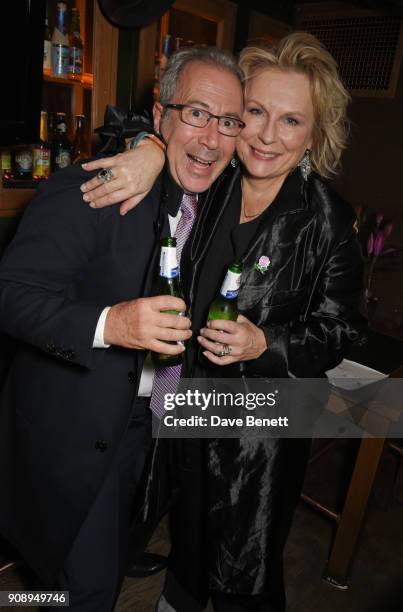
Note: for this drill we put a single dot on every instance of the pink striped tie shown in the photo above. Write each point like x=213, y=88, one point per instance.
x=166, y=379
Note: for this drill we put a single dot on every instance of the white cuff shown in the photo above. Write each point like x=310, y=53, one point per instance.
x=99, y=332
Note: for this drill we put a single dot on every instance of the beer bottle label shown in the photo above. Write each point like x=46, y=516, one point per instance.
x=76, y=61
x=63, y=159
x=230, y=287
x=60, y=60
x=41, y=163
x=168, y=263
x=6, y=161
x=23, y=161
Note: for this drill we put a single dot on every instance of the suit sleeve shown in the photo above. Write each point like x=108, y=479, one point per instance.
x=320, y=338
x=54, y=244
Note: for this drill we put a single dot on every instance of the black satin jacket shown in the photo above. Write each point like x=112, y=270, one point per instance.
x=307, y=301
x=238, y=496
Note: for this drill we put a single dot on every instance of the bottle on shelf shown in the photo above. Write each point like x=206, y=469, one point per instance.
x=166, y=51
x=41, y=151
x=156, y=75
x=178, y=43
x=224, y=306
x=168, y=284
x=47, y=46
x=22, y=162
x=78, y=152
x=60, y=44
x=6, y=172
x=51, y=124
x=76, y=47
x=60, y=144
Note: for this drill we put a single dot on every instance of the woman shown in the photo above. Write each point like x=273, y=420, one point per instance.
x=299, y=316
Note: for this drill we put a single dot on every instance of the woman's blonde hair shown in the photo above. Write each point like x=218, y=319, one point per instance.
x=303, y=53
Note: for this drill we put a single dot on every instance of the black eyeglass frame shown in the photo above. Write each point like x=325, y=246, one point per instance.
x=180, y=108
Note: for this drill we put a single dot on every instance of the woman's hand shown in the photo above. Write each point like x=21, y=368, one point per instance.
x=244, y=340
x=134, y=175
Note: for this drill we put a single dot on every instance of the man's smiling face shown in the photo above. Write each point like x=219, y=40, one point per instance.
x=197, y=156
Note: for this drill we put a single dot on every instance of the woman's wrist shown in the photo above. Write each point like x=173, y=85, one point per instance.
x=261, y=344
x=132, y=143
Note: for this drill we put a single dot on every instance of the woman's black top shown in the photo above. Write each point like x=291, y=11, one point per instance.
x=230, y=243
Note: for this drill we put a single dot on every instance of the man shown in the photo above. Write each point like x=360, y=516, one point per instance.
x=74, y=430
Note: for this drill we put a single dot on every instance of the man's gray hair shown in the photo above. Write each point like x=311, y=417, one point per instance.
x=179, y=59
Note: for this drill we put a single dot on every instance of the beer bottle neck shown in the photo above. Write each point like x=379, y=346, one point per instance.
x=168, y=262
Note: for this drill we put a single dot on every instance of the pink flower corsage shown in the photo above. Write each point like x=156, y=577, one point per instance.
x=263, y=264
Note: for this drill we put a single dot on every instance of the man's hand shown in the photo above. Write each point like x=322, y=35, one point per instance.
x=142, y=324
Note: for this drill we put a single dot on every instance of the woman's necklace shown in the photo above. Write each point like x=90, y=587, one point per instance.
x=249, y=216
x=243, y=207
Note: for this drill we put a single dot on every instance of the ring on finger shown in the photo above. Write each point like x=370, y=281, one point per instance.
x=227, y=349
x=105, y=175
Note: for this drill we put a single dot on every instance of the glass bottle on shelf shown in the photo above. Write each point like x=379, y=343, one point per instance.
x=165, y=54
x=51, y=124
x=22, y=162
x=47, y=46
x=60, y=44
x=76, y=47
x=6, y=165
x=178, y=43
x=41, y=151
x=78, y=153
x=156, y=75
x=60, y=145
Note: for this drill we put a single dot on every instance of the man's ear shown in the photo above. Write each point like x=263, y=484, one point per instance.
x=158, y=110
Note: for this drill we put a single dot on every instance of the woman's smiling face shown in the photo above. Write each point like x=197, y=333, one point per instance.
x=279, y=117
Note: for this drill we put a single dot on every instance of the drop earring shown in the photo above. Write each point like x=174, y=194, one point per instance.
x=305, y=165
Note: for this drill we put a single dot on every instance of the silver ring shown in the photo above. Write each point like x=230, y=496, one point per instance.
x=105, y=175
x=227, y=350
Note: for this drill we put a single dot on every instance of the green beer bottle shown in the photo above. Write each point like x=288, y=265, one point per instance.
x=225, y=304
x=168, y=284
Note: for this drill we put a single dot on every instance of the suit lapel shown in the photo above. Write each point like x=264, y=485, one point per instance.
x=161, y=229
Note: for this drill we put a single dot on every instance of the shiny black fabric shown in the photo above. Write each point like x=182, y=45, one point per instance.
x=238, y=496
x=119, y=125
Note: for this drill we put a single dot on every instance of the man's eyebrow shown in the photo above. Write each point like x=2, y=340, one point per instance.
x=207, y=107
x=198, y=103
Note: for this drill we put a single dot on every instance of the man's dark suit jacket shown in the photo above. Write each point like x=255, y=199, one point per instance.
x=64, y=405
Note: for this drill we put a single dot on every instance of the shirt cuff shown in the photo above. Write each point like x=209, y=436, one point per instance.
x=99, y=332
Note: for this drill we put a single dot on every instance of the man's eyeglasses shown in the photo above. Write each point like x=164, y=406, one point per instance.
x=198, y=117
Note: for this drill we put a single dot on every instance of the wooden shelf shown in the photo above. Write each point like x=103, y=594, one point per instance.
x=220, y=14
x=13, y=201
x=87, y=81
